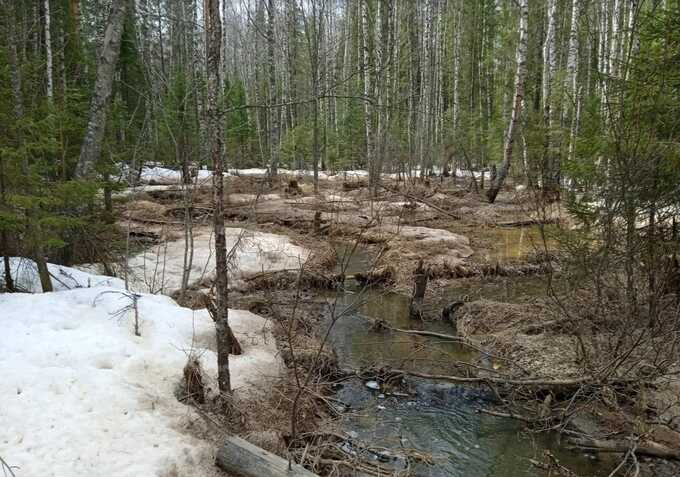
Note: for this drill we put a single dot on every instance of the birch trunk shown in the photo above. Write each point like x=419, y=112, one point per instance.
x=106, y=67
x=367, y=64
x=215, y=134
x=273, y=109
x=551, y=166
x=520, y=76
x=48, y=55
x=572, y=75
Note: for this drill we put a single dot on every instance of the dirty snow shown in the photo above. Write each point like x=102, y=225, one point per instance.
x=448, y=245
x=159, y=270
x=82, y=395
x=25, y=276
x=160, y=176
x=239, y=199
x=165, y=176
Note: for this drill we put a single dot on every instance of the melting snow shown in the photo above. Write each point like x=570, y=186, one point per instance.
x=82, y=395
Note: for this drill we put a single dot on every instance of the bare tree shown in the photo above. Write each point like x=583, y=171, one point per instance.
x=215, y=138
x=273, y=97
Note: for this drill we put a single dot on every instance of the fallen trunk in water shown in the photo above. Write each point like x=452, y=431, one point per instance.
x=646, y=448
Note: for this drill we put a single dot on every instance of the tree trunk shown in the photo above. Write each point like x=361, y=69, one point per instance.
x=419, y=288
x=32, y=225
x=367, y=64
x=520, y=75
x=4, y=236
x=572, y=75
x=273, y=108
x=215, y=137
x=106, y=67
x=551, y=166
x=48, y=54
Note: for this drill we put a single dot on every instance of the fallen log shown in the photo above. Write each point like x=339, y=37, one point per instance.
x=425, y=202
x=431, y=334
x=646, y=448
x=528, y=222
x=543, y=383
x=381, y=325
x=243, y=459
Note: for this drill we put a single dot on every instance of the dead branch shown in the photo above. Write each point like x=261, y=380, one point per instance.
x=646, y=448
x=425, y=202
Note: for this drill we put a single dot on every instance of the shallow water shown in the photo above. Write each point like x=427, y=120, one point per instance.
x=439, y=419
x=515, y=243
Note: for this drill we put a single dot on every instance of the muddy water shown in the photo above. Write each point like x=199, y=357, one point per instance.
x=515, y=243
x=440, y=419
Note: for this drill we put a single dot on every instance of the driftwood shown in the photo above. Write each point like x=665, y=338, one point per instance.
x=430, y=334
x=243, y=459
x=646, y=448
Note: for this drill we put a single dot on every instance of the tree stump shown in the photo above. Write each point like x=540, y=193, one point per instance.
x=449, y=311
x=420, y=276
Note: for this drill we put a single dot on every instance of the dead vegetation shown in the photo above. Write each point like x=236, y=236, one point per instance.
x=544, y=369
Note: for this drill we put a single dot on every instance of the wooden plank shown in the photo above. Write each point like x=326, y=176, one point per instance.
x=243, y=459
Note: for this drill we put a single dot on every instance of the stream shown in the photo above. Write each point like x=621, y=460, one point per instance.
x=439, y=419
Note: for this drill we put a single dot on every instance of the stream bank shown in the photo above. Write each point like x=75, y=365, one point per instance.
x=497, y=308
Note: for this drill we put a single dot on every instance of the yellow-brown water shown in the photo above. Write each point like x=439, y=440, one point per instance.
x=509, y=244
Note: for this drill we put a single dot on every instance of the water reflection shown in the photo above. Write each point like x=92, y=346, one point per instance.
x=439, y=419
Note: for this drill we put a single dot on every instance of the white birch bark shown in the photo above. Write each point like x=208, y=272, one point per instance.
x=572, y=75
x=368, y=106
x=520, y=76
x=550, y=161
x=48, y=55
x=106, y=67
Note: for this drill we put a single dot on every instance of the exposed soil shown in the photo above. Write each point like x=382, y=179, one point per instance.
x=458, y=235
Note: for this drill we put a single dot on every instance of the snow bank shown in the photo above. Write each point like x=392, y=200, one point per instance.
x=164, y=176
x=477, y=174
x=25, y=276
x=159, y=270
x=239, y=199
x=252, y=172
x=160, y=176
x=142, y=189
x=82, y=395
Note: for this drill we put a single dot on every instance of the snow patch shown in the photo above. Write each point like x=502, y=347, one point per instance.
x=159, y=270
x=25, y=276
x=160, y=176
x=82, y=395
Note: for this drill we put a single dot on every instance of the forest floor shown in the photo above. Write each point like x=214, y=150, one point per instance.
x=463, y=240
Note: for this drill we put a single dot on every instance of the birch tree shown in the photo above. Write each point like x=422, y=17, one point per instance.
x=48, y=54
x=574, y=98
x=213, y=28
x=516, y=113
x=106, y=67
x=274, y=114
x=551, y=166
